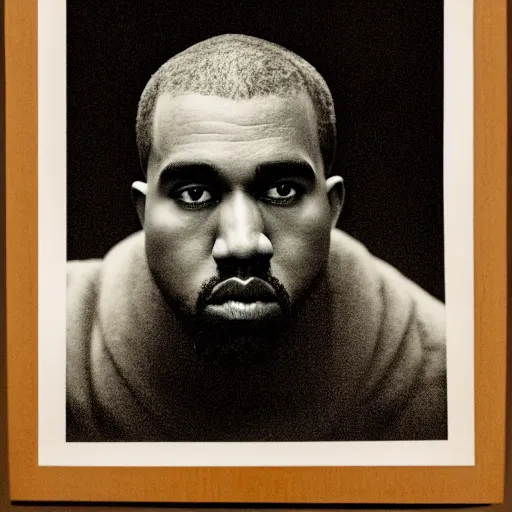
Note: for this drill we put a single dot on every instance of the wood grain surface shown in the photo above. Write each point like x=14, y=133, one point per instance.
x=479, y=484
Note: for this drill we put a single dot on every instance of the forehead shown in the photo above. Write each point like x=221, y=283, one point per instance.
x=225, y=132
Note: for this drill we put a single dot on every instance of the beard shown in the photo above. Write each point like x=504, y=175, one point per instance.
x=233, y=342
x=236, y=343
x=236, y=347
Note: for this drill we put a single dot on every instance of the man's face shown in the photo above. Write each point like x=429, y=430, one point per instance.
x=236, y=211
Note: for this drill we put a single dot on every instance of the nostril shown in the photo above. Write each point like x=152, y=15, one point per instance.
x=257, y=266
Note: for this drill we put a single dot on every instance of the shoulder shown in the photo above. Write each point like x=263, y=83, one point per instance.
x=88, y=280
x=81, y=283
x=83, y=276
x=85, y=283
x=82, y=279
x=405, y=381
x=349, y=259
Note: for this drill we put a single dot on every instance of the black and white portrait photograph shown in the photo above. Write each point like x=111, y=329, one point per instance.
x=258, y=205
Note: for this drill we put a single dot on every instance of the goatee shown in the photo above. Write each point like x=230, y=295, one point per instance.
x=236, y=343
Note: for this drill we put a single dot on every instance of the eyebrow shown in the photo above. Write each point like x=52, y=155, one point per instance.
x=188, y=170
x=286, y=169
x=268, y=171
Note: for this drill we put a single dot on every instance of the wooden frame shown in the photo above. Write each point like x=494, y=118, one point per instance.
x=481, y=483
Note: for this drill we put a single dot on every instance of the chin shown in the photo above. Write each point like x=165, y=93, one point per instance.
x=233, y=343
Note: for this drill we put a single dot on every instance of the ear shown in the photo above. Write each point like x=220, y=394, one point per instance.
x=336, y=194
x=139, y=191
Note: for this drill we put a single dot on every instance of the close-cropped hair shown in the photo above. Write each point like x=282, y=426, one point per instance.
x=238, y=67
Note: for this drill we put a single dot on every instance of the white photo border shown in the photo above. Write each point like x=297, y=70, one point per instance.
x=458, y=450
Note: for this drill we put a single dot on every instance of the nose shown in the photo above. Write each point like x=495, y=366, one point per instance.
x=240, y=229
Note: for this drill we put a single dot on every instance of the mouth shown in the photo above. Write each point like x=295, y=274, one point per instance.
x=250, y=299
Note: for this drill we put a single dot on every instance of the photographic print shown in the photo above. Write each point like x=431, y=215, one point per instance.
x=238, y=313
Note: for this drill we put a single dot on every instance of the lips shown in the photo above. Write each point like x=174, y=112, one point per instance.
x=239, y=299
x=249, y=290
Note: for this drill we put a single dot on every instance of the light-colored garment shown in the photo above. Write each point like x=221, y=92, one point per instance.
x=386, y=339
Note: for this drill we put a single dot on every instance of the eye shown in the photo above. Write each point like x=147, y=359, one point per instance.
x=195, y=195
x=282, y=191
x=282, y=194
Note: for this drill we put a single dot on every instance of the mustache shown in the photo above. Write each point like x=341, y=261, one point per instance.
x=253, y=267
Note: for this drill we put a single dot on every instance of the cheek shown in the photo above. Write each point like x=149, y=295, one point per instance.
x=175, y=232
x=301, y=238
x=179, y=247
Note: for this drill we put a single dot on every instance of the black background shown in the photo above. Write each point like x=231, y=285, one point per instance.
x=383, y=61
